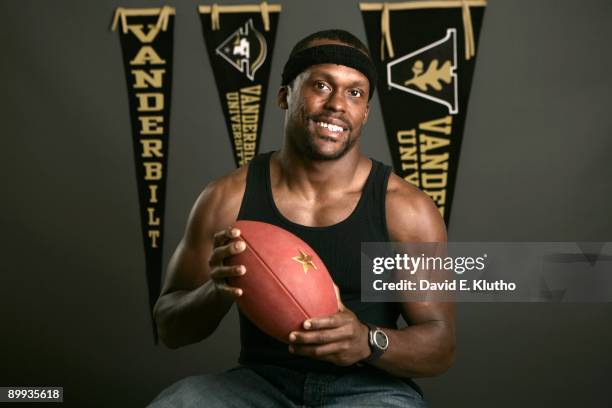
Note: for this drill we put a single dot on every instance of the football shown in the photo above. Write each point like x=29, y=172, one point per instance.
x=285, y=282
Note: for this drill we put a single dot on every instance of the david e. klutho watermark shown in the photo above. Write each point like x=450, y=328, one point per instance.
x=486, y=272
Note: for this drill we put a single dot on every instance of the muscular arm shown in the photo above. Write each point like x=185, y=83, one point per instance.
x=426, y=347
x=190, y=307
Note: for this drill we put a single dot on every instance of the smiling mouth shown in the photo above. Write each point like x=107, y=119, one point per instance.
x=331, y=127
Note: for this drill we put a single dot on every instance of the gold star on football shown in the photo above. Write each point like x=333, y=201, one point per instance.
x=305, y=260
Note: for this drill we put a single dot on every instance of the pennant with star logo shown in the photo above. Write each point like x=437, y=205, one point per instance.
x=240, y=40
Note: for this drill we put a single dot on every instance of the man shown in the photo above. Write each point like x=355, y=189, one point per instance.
x=320, y=187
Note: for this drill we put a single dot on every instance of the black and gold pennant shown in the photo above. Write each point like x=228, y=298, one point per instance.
x=146, y=37
x=240, y=40
x=424, y=52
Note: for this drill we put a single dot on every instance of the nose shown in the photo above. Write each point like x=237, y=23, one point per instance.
x=336, y=101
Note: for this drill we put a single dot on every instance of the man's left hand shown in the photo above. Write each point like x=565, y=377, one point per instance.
x=339, y=338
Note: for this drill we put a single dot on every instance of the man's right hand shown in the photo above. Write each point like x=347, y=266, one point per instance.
x=196, y=296
x=225, y=245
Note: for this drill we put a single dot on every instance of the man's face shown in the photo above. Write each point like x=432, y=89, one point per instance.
x=326, y=107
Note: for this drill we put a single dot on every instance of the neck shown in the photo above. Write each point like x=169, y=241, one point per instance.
x=314, y=178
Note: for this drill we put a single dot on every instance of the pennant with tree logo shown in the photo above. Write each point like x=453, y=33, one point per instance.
x=146, y=37
x=240, y=40
x=425, y=55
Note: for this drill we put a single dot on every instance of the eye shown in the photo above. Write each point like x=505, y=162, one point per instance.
x=321, y=86
x=356, y=93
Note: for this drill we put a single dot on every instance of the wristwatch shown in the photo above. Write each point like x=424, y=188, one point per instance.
x=379, y=342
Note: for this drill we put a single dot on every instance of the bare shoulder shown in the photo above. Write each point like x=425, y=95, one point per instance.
x=218, y=204
x=411, y=215
x=229, y=188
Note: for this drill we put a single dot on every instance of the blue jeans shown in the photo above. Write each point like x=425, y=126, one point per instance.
x=269, y=386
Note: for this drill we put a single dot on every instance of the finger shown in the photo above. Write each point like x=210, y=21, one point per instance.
x=224, y=251
x=225, y=289
x=325, y=322
x=221, y=237
x=319, y=336
x=222, y=272
x=341, y=306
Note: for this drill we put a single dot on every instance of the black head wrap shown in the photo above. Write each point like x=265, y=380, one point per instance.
x=330, y=54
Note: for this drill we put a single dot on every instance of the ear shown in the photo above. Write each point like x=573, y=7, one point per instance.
x=366, y=114
x=281, y=97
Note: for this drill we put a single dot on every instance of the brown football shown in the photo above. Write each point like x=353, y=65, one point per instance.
x=285, y=282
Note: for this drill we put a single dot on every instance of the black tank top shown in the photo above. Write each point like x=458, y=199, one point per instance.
x=337, y=245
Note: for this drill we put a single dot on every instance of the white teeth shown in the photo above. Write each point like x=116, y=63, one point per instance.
x=331, y=127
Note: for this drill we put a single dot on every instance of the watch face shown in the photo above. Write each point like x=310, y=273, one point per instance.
x=381, y=340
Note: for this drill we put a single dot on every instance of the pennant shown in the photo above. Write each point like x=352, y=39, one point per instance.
x=425, y=55
x=240, y=40
x=146, y=37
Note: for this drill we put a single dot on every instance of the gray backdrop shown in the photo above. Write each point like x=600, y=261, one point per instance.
x=534, y=167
